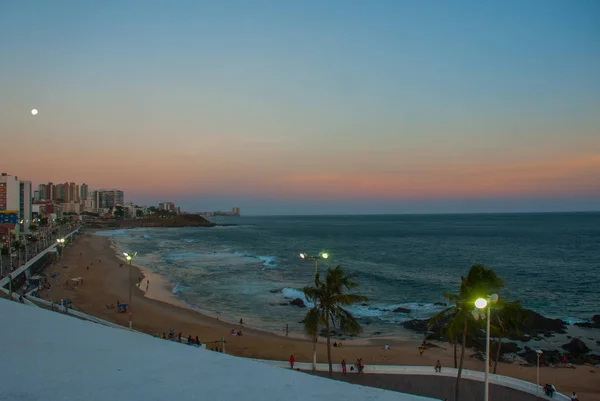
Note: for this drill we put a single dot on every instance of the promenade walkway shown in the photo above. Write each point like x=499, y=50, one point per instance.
x=4, y=281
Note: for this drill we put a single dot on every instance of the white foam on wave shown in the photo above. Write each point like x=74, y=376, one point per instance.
x=268, y=261
x=189, y=240
x=147, y=236
x=571, y=321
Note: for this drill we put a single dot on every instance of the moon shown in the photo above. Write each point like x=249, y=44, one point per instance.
x=34, y=112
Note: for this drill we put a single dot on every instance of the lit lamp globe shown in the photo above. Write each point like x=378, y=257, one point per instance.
x=303, y=255
x=480, y=303
x=34, y=112
x=324, y=255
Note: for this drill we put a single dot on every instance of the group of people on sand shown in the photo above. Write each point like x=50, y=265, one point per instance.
x=190, y=340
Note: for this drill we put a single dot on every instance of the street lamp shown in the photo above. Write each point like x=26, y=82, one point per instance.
x=129, y=257
x=61, y=244
x=537, y=378
x=306, y=256
x=482, y=304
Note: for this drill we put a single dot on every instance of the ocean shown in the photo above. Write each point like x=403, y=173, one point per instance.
x=250, y=268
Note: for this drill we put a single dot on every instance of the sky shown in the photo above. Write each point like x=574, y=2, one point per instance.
x=287, y=107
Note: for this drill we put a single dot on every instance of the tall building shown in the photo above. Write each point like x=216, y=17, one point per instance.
x=9, y=192
x=61, y=193
x=73, y=192
x=41, y=192
x=109, y=198
x=25, y=204
x=83, y=192
x=50, y=191
x=236, y=211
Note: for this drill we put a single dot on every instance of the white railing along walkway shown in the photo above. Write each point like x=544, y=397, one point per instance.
x=30, y=263
x=504, y=381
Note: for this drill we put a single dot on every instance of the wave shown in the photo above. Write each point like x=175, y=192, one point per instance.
x=293, y=293
x=571, y=321
x=268, y=261
x=113, y=233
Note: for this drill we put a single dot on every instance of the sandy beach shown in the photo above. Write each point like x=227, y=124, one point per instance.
x=158, y=310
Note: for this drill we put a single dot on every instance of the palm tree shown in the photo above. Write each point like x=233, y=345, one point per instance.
x=329, y=301
x=507, y=319
x=453, y=325
x=479, y=282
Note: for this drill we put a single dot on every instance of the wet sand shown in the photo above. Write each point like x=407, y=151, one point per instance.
x=158, y=310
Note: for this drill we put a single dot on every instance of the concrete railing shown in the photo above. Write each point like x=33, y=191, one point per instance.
x=504, y=381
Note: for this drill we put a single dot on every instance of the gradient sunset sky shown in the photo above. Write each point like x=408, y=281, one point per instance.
x=308, y=106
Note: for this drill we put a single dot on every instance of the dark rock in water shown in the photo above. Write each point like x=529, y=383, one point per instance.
x=569, y=337
x=416, y=324
x=284, y=304
x=302, y=321
x=598, y=342
x=275, y=291
x=440, y=304
x=536, y=325
x=401, y=310
x=594, y=324
x=376, y=333
x=364, y=304
x=576, y=347
x=298, y=302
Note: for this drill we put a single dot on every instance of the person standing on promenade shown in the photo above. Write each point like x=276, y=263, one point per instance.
x=438, y=367
x=292, y=360
x=344, y=367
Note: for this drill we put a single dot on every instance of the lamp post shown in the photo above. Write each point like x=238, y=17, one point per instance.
x=129, y=257
x=305, y=256
x=61, y=244
x=482, y=304
x=537, y=377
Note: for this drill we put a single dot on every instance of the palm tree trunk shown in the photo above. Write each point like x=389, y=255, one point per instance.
x=329, y=347
x=462, y=360
x=455, y=353
x=499, y=347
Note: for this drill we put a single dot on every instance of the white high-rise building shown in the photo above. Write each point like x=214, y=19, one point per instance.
x=9, y=192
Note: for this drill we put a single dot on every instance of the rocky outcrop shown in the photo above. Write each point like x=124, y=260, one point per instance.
x=576, y=347
x=298, y=302
x=538, y=326
x=401, y=310
x=594, y=324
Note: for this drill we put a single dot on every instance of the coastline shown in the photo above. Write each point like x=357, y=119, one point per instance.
x=157, y=311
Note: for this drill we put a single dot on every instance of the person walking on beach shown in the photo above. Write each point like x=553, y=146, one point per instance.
x=421, y=350
x=292, y=360
x=361, y=367
x=438, y=367
x=344, y=367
